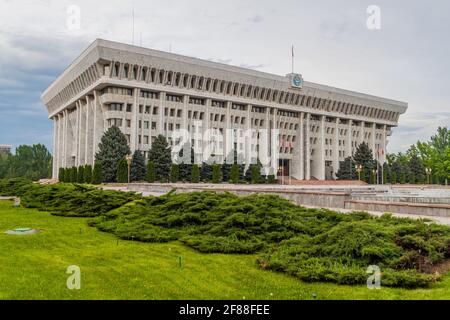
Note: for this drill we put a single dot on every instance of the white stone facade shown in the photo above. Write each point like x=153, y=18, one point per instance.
x=147, y=92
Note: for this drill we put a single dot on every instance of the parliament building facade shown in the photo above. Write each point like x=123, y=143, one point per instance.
x=146, y=93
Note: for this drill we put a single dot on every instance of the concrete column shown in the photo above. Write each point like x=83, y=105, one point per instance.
x=384, y=143
x=98, y=127
x=349, y=138
x=301, y=147
x=308, y=146
x=228, y=136
x=60, y=140
x=374, y=149
x=55, y=151
x=77, y=133
x=336, y=148
x=162, y=99
x=274, y=158
x=321, y=159
x=87, y=149
x=362, y=132
x=185, y=112
x=134, y=122
x=248, y=136
x=64, y=146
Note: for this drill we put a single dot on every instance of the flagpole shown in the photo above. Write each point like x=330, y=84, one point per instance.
x=293, y=58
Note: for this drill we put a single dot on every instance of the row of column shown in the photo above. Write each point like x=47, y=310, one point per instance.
x=77, y=133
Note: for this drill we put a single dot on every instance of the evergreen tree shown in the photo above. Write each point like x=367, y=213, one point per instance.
x=88, y=174
x=185, y=165
x=80, y=174
x=394, y=178
x=161, y=156
x=206, y=172
x=61, y=175
x=112, y=148
x=122, y=171
x=74, y=175
x=402, y=177
x=411, y=178
x=97, y=173
x=234, y=175
x=151, y=175
x=372, y=177
x=363, y=156
x=255, y=174
x=195, y=175
x=386, y=175
x=271, y=179
x=347, y=170
x=216, y=173
x=138, y=168
x=416, y=169
x=175, y=173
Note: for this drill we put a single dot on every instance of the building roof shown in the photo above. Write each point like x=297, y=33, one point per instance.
x=115, y=51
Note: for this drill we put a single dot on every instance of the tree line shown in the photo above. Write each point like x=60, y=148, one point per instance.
x=31, y=162
x=423, y=163
x=112, y=166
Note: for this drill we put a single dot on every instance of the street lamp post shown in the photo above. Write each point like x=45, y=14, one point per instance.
x=375, y=175
x=359, y=169
x=129, y=158
x=428, y=172
x=280, y=169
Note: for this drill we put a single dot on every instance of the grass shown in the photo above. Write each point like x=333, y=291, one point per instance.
x=34, y=266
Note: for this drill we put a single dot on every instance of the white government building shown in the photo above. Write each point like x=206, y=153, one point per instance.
x=147, y=92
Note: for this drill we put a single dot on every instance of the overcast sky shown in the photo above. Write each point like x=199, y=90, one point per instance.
x=407, y=59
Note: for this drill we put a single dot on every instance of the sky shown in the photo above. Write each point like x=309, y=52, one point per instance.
x=406, y=58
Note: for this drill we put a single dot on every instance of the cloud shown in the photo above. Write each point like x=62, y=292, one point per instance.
x=256, y=19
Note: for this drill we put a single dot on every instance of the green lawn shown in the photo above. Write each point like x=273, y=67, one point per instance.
x=34, y=266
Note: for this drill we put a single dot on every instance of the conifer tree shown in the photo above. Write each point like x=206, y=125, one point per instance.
x=73, y=175
x=347, y=170
x=88, y=174
x=363, y=156
x=174, y=173
x=122, y=171
x=195, y=175
x=138, y=168
x=112, y=148
x=216, y=173
x=234, y=175
x=61, y=175
x=151, y=176
x=97, y=173
x=80, y=174
x=161, y=156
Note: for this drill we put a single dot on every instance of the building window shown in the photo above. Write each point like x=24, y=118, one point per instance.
x=115, y=122
x=174, y=98
x=115, y=107
x=218, y=104
x=129, y=107
x=128, y=123
x=198, y=101
x=149, y=94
